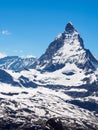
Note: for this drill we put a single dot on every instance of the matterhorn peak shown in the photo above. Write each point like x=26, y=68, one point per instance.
x=67, y=48
x=70, y=27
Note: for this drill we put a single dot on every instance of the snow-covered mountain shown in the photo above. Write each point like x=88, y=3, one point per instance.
x=62, y=83
x=67, y=48
x=16, y=63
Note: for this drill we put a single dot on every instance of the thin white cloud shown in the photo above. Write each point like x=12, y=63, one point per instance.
x=5, y=32
x=21, y=51
x=2, y=55
x=30, y=56
x=18, y=51
x=15, y=51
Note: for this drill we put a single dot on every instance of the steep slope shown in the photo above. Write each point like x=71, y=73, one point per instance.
x=16, y=63
x=67, y=48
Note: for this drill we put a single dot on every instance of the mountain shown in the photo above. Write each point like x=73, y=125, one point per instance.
x=67, y=48
x=16, y=63
x=62, y=84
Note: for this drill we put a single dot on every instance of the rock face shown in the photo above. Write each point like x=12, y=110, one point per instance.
x=54, y=124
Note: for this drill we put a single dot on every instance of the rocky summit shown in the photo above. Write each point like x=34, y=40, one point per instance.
x=58, y=89
x=67, y=48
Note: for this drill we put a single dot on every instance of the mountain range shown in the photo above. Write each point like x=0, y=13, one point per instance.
x=62, y=83
x=16, y=63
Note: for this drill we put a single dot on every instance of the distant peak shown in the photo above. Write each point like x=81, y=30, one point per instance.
x=69, y=27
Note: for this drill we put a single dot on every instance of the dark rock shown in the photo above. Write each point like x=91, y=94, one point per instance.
x=69, y=27
x=54, y=124
x=26, y=83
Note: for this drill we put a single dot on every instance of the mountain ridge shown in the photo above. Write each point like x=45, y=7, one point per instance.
x=16, y=63
x=73, y=43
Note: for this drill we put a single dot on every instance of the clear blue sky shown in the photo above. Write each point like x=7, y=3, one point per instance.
x=28, y=26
